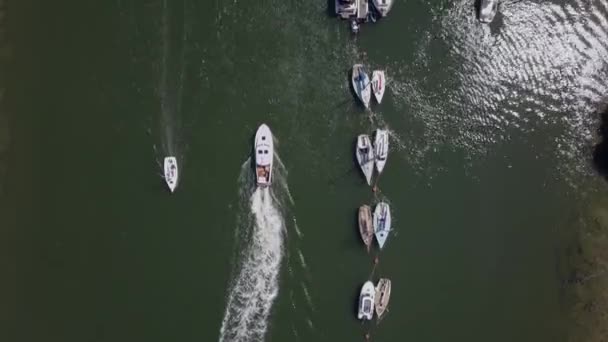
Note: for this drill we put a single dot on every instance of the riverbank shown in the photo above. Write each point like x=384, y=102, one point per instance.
x=585, y=277
x=586, y=282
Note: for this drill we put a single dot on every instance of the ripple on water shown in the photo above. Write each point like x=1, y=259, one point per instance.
x=538, y=66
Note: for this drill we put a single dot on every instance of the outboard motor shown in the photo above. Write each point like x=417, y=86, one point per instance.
x=354, y=26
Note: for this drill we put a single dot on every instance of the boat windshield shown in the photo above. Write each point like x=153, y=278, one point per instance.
x=367, y=305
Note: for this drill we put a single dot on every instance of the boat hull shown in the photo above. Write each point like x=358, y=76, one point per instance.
x=171, y=172
x=378, y=84
x=381, y=149
x=263, y=150
x=383, y=6
x=346, y=9
x=382, y=297
x=487, y=10
x=366, y=228
x=365, y=156
x=382, y=223
x=366, y=301
x=361, y=84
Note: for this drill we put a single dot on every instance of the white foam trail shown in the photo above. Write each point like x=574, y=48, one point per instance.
x=256, y=286
x=302, y=260
x=297, y=229
x=170, y=92
x=164, y=85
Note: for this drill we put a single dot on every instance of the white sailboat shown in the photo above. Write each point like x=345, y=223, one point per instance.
x=365, y=156
x=263, y=149
x=382, y=222
x=381, y=148
x=383, y=6
x=361, y=84
x=378, y=84
x=366, y=301
x=171, y=172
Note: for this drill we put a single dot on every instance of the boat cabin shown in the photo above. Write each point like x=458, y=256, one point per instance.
x=346, y=8
x=366, y=305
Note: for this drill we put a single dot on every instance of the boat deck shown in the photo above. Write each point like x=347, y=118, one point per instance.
x=357, y=11
x=363, y=8
x=346, y=10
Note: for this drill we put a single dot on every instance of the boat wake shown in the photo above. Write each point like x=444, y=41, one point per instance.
x=256, y=284
x=170, y=88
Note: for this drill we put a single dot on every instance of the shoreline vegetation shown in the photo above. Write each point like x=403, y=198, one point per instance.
x=585, y=279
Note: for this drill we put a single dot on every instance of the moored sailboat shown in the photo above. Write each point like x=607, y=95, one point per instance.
x=366, y=228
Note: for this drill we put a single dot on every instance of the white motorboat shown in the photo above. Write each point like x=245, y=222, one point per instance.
x=381, y=148
x=366, y=229
x=263, y=148
x=378, y=84
x=365, y=156
x=383, y=6
x=487, y=10
x=382, y=222
x=346, y=8
x=361, y=84
x=171, y=172
x=366, y=301
x=383, y=295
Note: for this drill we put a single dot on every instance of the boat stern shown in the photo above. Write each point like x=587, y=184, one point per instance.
x=171, y=172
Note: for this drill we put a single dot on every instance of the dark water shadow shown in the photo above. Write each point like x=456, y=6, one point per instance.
x=356, y=232
x=477, y=8
x=331, y=8
x=355, y=299
x=600, y=151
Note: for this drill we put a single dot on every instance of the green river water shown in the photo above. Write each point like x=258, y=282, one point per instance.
x=491, y=132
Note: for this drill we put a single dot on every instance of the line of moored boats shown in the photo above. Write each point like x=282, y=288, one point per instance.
x=360, y=11
x=372, y=156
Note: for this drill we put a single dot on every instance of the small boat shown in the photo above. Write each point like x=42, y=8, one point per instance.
x=382, y=222
x=365, y=225
x=346, y=8
x=383, y=6
x=381, y=148
x=365, y=156
x=487, y=10
x=171, y=172
x=361, y=84
x=378, y=84
x=383, y=295
x=366, y=301
x=263, y=148
x=354, y=26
